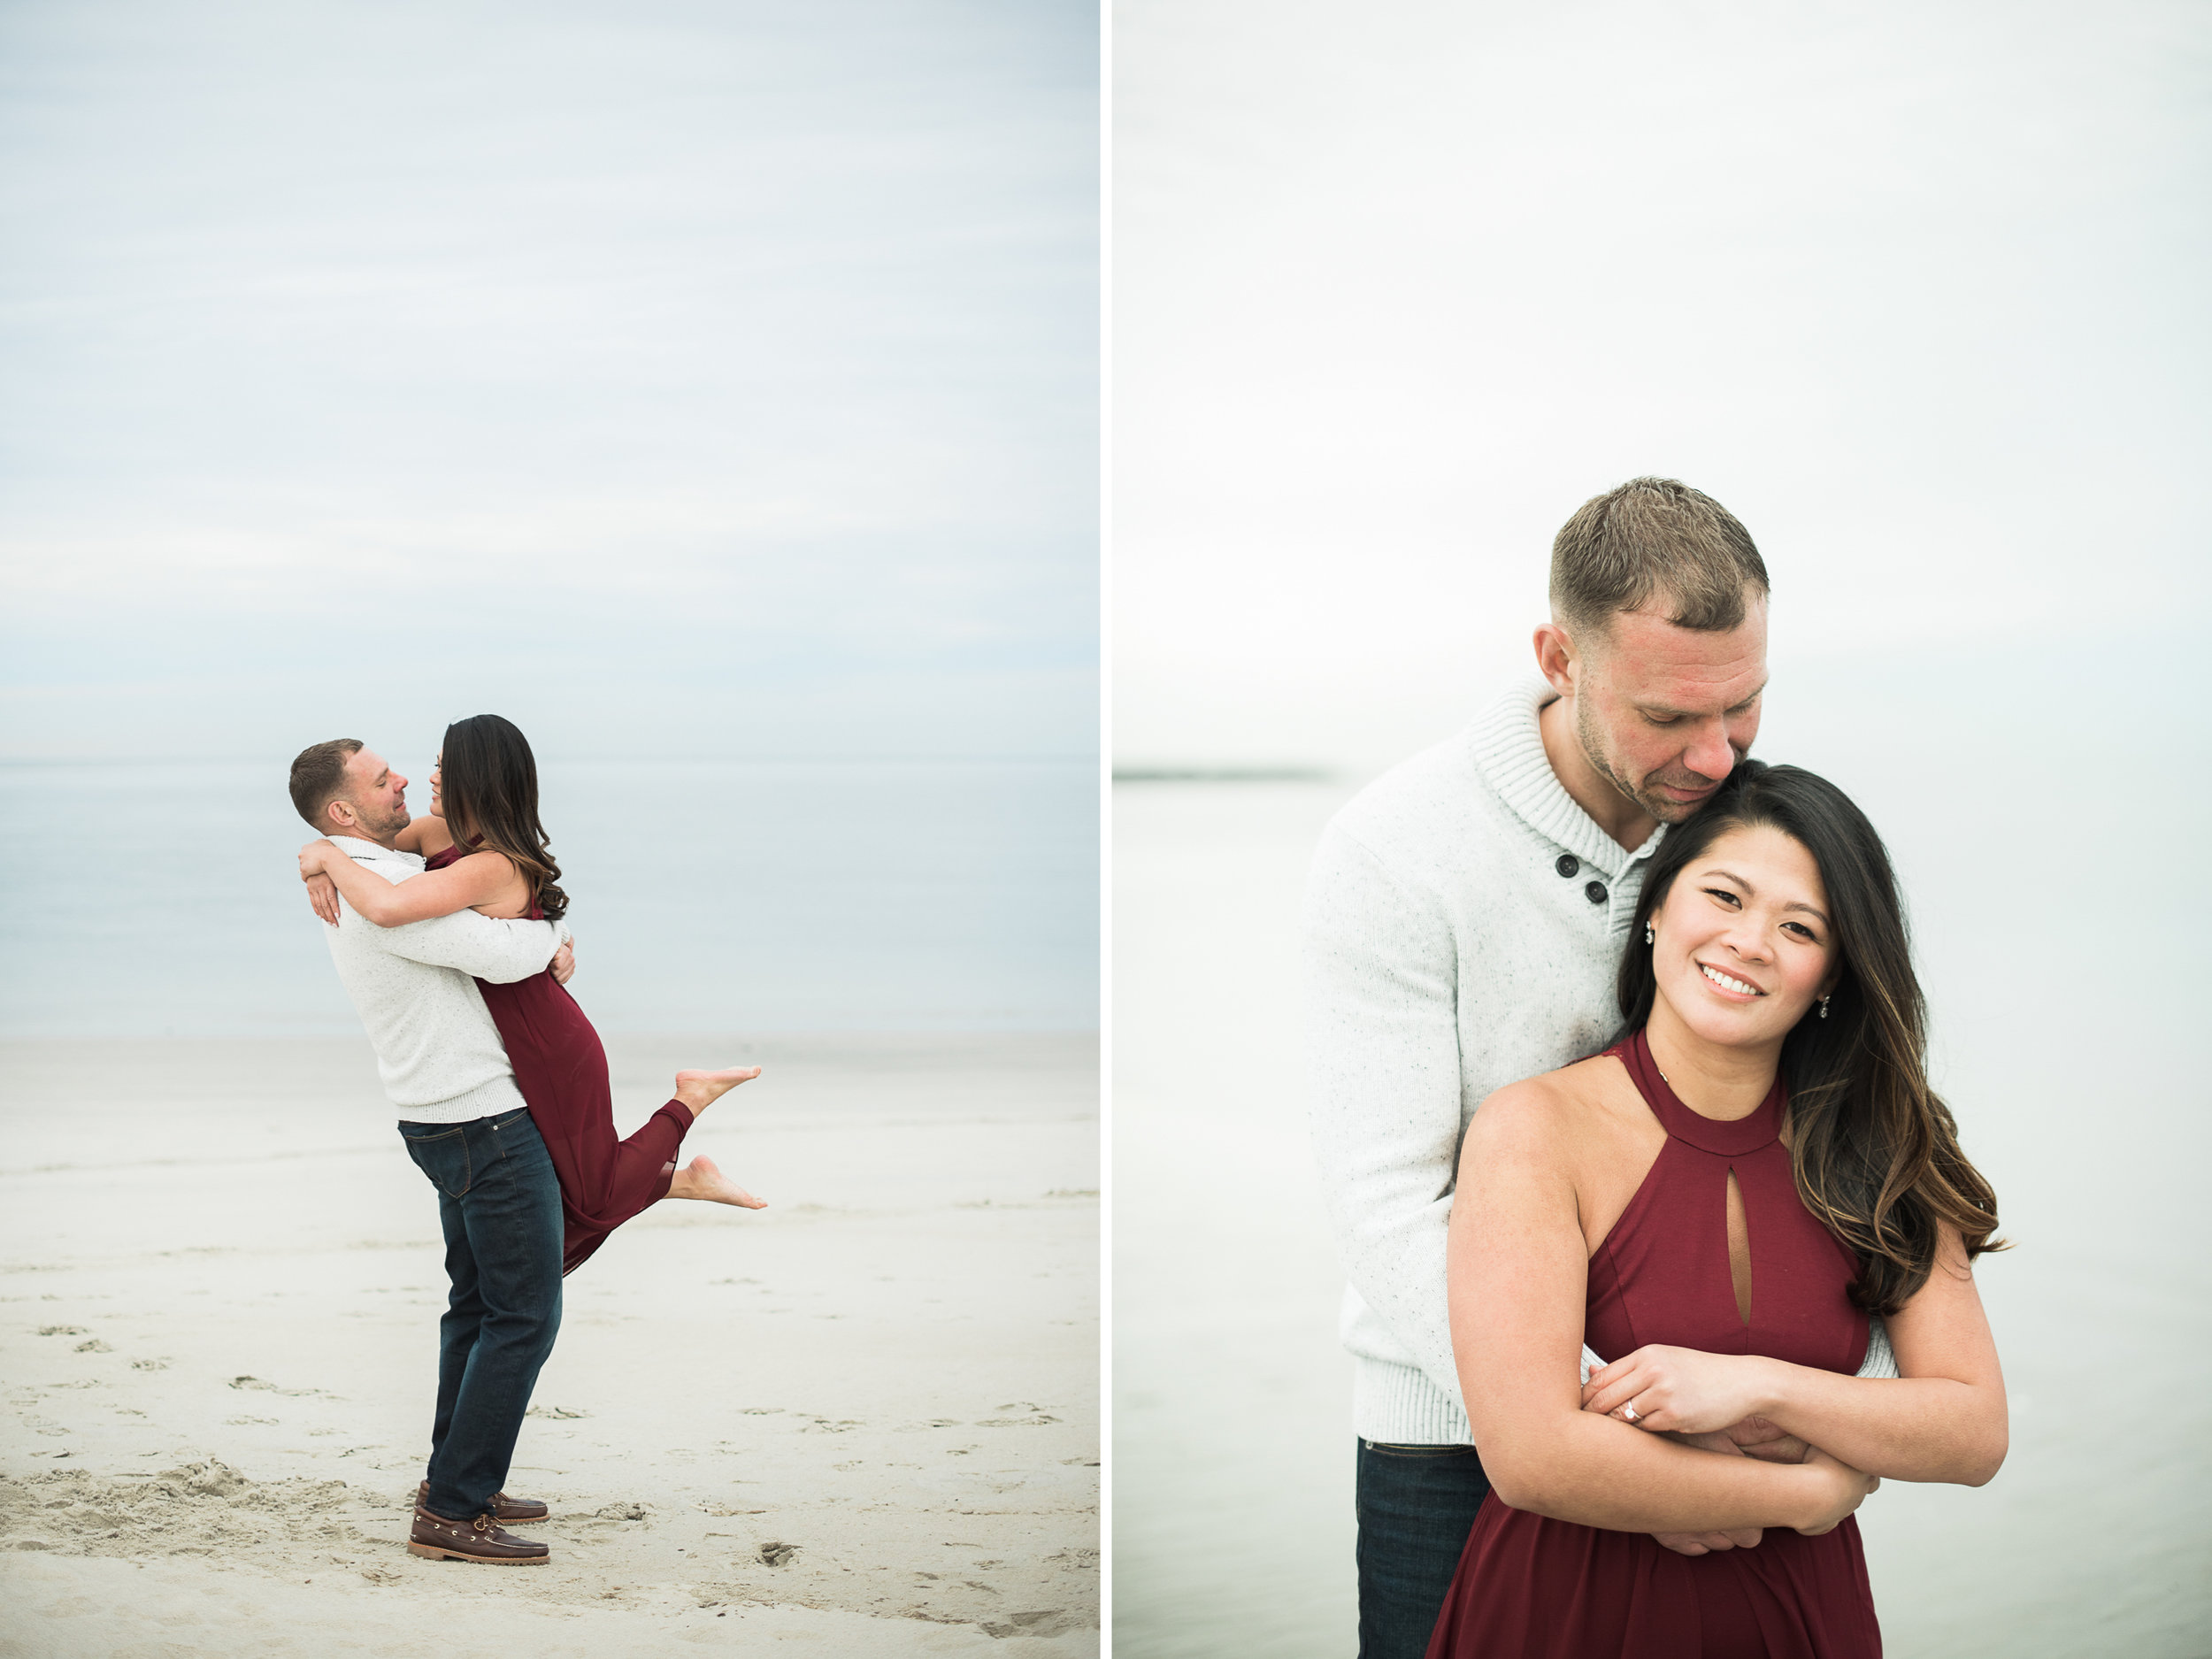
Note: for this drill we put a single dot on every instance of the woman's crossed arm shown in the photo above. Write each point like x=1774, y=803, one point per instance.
x=1943, y=1418
x=1519, y=1279
x=476, y=880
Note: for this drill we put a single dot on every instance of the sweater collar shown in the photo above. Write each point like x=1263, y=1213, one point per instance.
x=1509, y=749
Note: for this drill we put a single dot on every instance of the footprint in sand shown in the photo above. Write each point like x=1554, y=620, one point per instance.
x=1036, y=1419
x=1046, y=1622
x=776, y=1555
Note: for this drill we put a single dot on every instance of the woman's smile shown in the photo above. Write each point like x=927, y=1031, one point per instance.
x=1734, y=989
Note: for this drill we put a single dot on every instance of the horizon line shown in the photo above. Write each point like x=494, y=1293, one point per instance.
x=1227, y=774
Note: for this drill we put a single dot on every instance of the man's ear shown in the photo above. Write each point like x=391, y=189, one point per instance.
x=1557, y=657
x=338, y=818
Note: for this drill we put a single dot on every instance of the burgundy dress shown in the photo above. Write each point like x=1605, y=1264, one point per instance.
x=562, y=1071
x=1530, y=1586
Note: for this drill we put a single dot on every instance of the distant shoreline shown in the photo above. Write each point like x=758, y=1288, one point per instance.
x=1225, y=774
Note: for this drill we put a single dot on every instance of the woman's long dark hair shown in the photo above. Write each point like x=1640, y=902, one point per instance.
x=487, y=782
x=1876, y=1152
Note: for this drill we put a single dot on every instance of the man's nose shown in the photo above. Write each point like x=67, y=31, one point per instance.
x=1710, y=754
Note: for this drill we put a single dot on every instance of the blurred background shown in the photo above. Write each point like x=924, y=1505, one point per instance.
x=1916, y=292
x=711, y=390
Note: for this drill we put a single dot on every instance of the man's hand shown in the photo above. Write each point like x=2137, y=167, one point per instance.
x=563, y=962
x=322, y=893
x=1706, y=1543
x=1760, y=1438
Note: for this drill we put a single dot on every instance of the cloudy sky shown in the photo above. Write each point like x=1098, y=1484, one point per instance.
x=676, y=378
x=1916, y=290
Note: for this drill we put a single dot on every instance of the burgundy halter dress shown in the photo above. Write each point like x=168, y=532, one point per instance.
x=1528, y=1587
x=561, y=1069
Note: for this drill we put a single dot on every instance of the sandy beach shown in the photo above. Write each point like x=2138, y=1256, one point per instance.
x=861, y=1422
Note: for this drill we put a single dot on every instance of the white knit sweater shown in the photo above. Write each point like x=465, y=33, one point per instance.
x=436, y=1047
x=1464, y=924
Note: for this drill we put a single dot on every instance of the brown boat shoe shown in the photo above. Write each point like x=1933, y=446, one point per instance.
x=502, y=1507
x=482, y=1541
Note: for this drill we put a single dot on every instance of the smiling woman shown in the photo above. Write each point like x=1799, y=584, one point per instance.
x=1876, y=1150
x=1723, y=1198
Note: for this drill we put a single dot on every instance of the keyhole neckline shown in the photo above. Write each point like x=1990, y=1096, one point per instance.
x=1735, y=1210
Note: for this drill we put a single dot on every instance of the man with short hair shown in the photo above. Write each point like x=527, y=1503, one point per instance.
x=1465, y=918
x=467, y=1128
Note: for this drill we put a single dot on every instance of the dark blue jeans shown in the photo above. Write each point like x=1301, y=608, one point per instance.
x=500, y=1204
x=1417, y=1505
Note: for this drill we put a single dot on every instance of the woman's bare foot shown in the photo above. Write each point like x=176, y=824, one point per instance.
x=699, y=1090
x=699, y=1178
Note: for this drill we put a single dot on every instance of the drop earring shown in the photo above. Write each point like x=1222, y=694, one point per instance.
x=1823, y=1008
x=1648, y=937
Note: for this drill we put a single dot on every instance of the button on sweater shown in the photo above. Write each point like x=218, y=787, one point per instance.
x=1464, y=922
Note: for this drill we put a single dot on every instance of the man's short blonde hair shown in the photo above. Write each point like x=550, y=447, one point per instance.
x=1654, y=537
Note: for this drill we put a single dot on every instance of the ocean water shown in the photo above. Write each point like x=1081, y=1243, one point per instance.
x=2067, y=981
x=163, y=899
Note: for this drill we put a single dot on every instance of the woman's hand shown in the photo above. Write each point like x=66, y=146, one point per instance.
x=322, y=891
x=1843, y=1488
x=1678, y=1390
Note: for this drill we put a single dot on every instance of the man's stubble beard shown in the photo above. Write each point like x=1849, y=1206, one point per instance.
x=1587, y=734
x=391, y=826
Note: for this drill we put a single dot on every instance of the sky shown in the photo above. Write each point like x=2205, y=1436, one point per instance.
x=1917, y=291
x=679, y=380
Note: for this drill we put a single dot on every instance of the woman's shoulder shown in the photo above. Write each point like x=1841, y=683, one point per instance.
x=493, y=873
x=1563, y=1092
x=1551, y=1110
